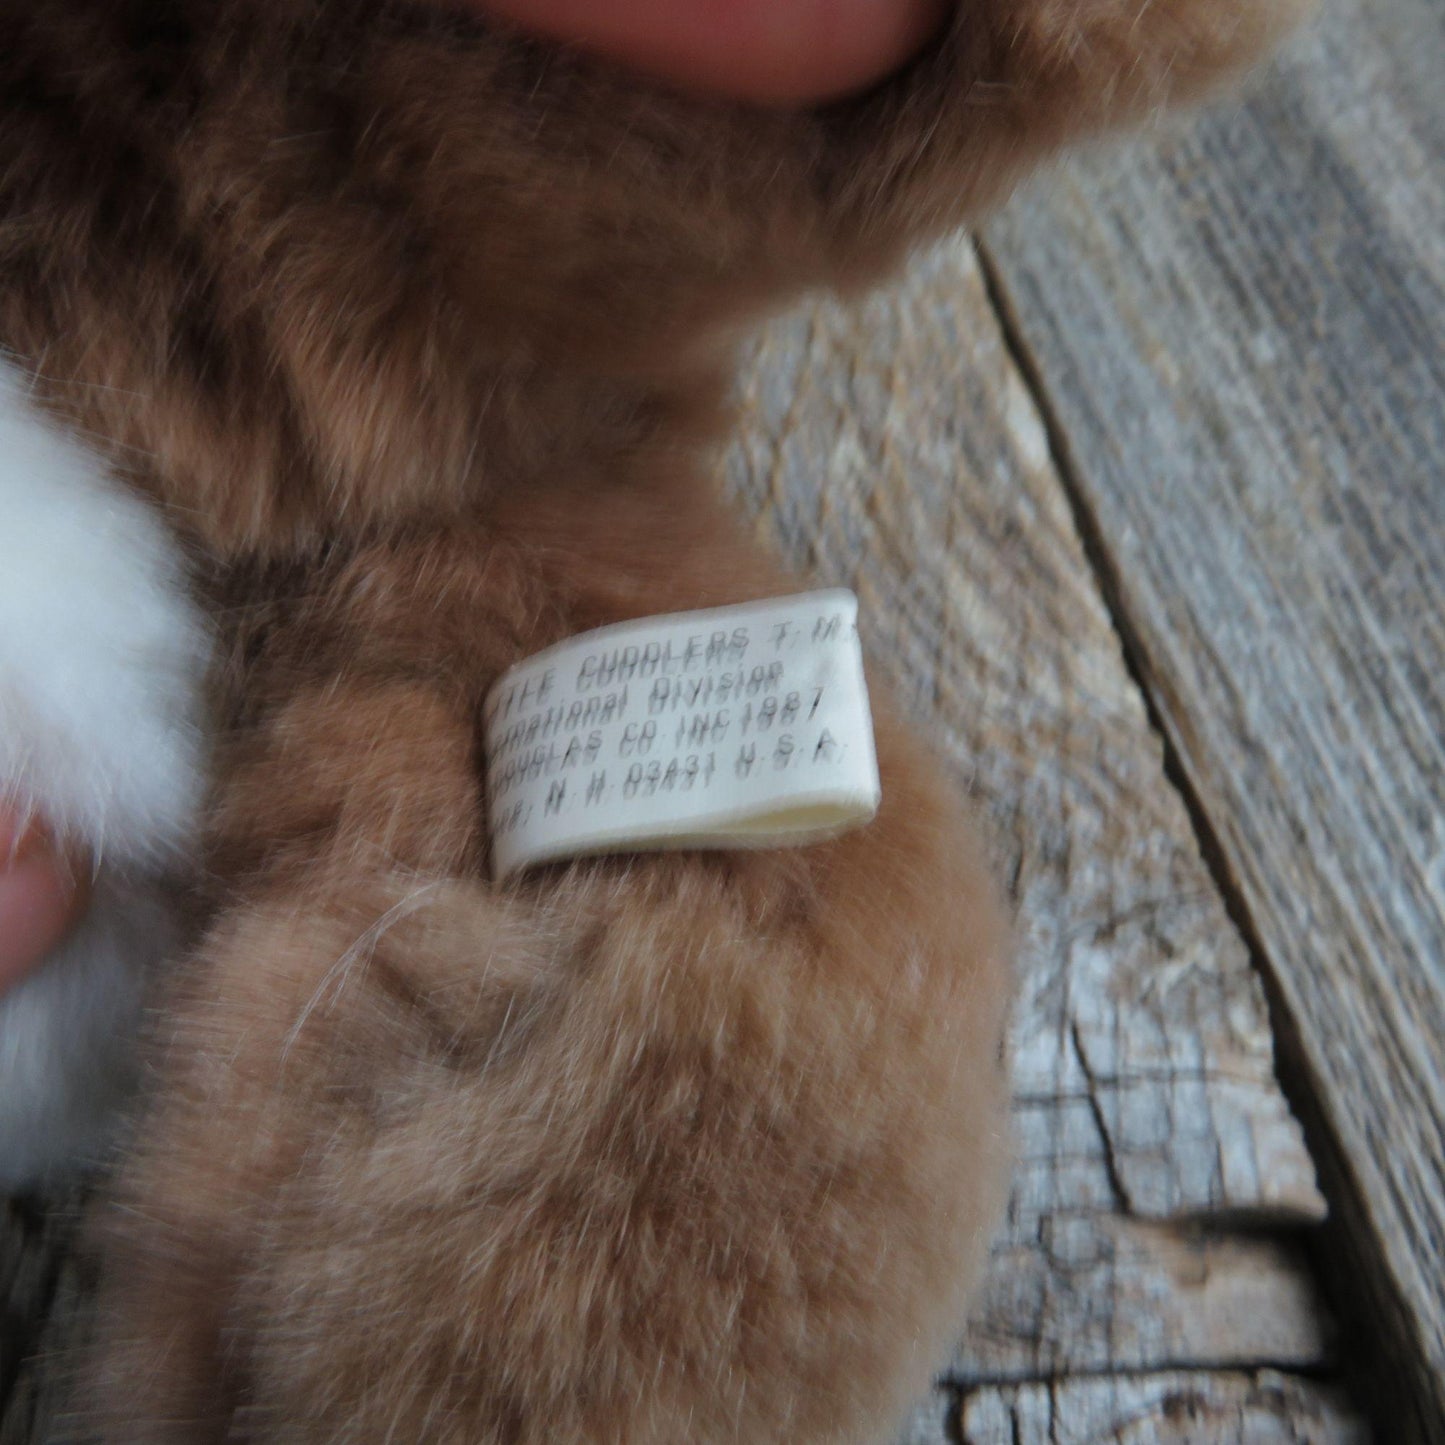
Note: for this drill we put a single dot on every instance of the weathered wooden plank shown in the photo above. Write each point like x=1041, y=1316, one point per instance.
x=1075, y=1285
x=1181, y=1408
x=894, y=447
x=1103, y=1293
x=1241, y=335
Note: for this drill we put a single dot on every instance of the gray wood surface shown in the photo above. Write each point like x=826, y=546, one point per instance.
x=1239, y=333
x=1263, y=1408
x=1103, y=1293
x=895, y=448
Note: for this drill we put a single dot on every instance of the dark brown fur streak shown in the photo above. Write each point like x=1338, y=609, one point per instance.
x=418, y=333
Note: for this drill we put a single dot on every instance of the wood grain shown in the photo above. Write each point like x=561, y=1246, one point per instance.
x=894, y=448
x=1240, y=334
x=1179, y=1408
x=1105, y=1294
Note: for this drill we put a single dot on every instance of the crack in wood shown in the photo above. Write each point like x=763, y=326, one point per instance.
x=1111, y=1162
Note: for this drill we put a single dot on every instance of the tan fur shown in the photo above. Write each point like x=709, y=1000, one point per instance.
x=684, y=1148
x=418, y=332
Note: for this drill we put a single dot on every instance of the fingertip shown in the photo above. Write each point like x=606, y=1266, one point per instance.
x=773, y=52
x=41, y=895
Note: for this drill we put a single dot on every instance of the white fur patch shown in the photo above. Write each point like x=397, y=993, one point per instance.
x=102, y=656
x=101, y=651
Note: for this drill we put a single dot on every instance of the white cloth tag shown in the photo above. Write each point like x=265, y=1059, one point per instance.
x=736, y=727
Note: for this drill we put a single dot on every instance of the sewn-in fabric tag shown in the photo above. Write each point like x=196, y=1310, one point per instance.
x=735, y=727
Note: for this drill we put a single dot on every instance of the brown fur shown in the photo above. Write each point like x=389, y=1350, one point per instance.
x=679, y=1148
x=418, y=330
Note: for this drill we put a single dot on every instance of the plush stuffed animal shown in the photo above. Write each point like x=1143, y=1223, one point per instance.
x=355, y=352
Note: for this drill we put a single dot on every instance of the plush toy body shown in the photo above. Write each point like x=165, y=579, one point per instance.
x=406, y=341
